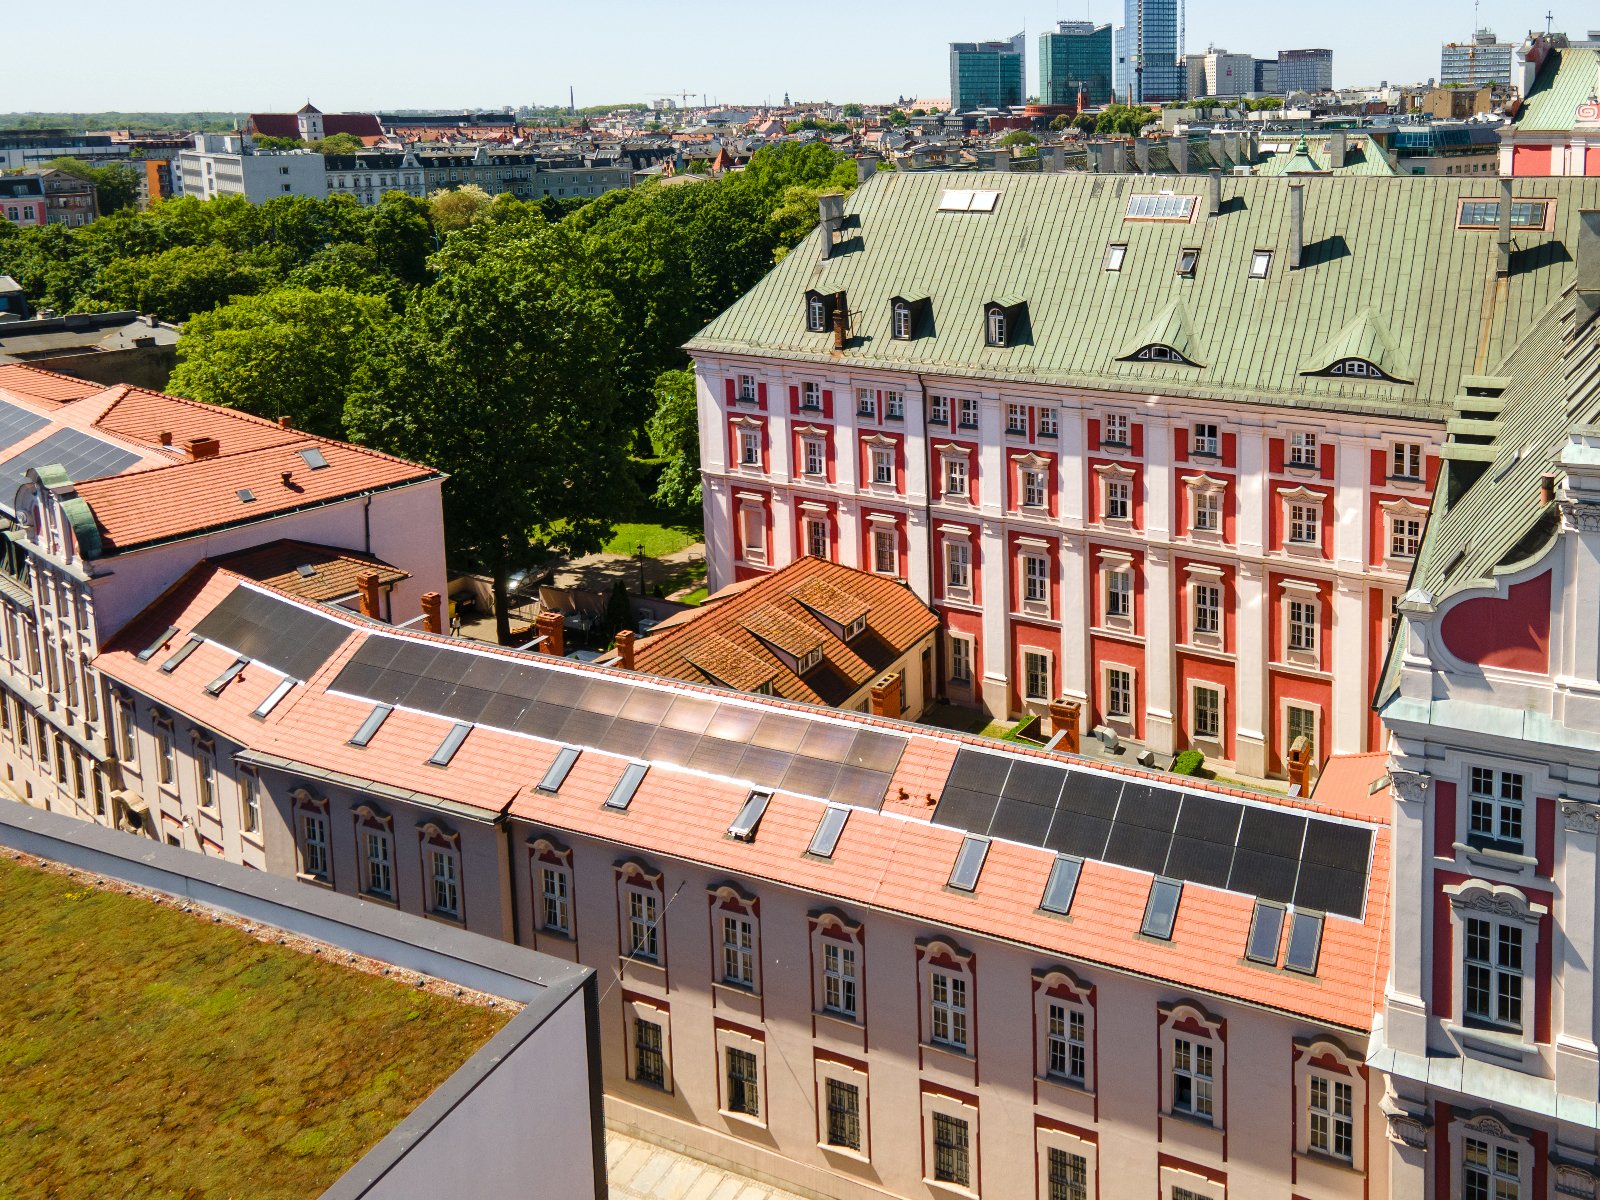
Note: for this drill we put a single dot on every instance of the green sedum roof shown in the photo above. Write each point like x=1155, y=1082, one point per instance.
x=1388, y=246
x=1568, y=78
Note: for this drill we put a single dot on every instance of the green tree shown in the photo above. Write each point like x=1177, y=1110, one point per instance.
x=116, y=186
x=177, y=283
x=291, y=352
x=896, y=118
x=1126, y=119
x=852, y=111
x=501, y=374
x=1019, y=137
x=456, y=208
x=262, y=141
x=1060, y=122
x=339, y=143
x=400, y=235
x=675, y=436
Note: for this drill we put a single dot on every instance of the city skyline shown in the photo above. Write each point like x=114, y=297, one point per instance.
x=307, y=54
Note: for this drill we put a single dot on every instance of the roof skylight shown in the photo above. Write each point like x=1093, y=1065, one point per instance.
x=1062, y=885
x=371, y=725
x=826, y=839
x=622, y=795
x=182, y=652
x=313, y=458
x=969, y=863
x=1305, y=943
x=452, y=742
x=271, y=702
x=1159, y=206
x=557, y=774
x=968, y=200
x=154, y=647
x=1266, y=927
x=221, y=681
x=744, y=825
x=1161, y=909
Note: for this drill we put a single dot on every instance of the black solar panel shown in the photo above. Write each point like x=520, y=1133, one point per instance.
x=1276, y=854
x=285, y=636
x=17, y=423
x=81, y=455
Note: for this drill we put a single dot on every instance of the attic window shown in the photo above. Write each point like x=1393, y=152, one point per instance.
x=183, y=652
x=215, y=687
x=452, y=742
x=371, y=725
x=1359, y=368
x=151, y=650
x=968, y=200
x=816, y=314
x=1062, y=885
x=902, y=321
x=1159, y=206
x=246, y=496
x=1485, y=214
x=1161, y=909
x=1188, y=259
x=1266, y=927
x=1115, y=253
x=1160, y=353
x=557, y=774
x=313, y=458
x=996, y=331
x=285, y=686
x=826, y=839
x=809, y=659
x=1305, y=943
x=744, y=825
x=969, y=863
x=856, y=628
x=622, y=795
x=1260, y=264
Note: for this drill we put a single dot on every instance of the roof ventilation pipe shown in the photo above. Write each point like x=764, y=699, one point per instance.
x=1214, y=190
x=1588, y=265
x=1297, y=224
x=1503, y=236
x=830, y=210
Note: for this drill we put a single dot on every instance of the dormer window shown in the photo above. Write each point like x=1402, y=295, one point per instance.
x=808, y=660
x=902, y=321
x=1162, y=354
x=856, y=628
x=1001, y=321
x=816, y=314
x=997, y=327
x=1360, y=368
x=1188, y=259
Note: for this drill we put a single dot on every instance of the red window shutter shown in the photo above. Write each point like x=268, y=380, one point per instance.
x=794, y=397
x=1275, y=454
x=731, y=388
x=827, y=403
x=1327, y=461
x=1230, y=449
x=1180, y=445
x=1094, y=433
x=1380, y=466
x=761, y=394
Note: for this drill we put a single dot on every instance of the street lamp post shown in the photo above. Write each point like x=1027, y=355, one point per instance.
x=639, y=550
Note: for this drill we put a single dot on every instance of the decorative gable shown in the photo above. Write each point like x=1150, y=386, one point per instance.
x=1363, y=350
x=1168, y=338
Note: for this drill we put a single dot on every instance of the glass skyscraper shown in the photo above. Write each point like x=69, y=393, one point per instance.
x=988, y=74
x=1077, y=54
x=1146, y=66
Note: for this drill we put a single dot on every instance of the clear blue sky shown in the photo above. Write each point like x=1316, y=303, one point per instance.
x=185, y=55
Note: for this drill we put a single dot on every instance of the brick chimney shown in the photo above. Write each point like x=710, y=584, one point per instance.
x=432, y=612
x=202, y=447
x=1064, y=721
x=285, y=423
x=550, y=629
x=165, y=437
x=625, y=649
x=367, y=587
x=1299, y=768
x=838, y=327
x=886, y=696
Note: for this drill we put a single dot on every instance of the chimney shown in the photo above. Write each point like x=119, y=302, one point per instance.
x=285, y=423
x=830, y=209
x=1214, y=190
x=1001, y=161
x=1588, y=257
x=1299, y=767
x=1094, y=151
x=1178, y=152
x=866, y=167
x=838, y=326
x=367, y=588
x=1064, y=722
x=432, y=611
x=1230, y=146
x=1297, y=224
x=202, y=447
x=1119, y=158
x=1141, y=154
x=165, y=437
x=550, y=629
x=1215, y=144
x=1547, y=487
x=886, y=696
x=1336, y=150
x=1503, y=237
x=625, y=649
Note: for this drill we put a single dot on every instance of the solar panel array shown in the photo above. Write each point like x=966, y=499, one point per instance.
x=17, y=423
x=774, y=749
x=81, y=455
x=285, y=636
x=1273, y=853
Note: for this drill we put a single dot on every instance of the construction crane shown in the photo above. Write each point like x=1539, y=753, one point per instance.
x=681, y=97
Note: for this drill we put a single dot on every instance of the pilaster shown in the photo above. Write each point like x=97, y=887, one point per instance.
x=1158, y=664
x=1250, y=717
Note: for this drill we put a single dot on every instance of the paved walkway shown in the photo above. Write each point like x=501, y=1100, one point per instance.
x=640, y=1170
x=597, y=572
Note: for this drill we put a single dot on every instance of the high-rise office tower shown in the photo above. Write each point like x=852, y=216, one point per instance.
x=1076, y=55
x=1147, y=67
x=988, y=74
x=1305, y=71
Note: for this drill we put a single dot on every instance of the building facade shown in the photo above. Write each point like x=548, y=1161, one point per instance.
x=69, y=201
x=1557, y=127
x=22, y=200
x=24, y=149
x=1148, y=67
x=1266, y=77
x=1199, y=566
x=526, y=174
x=228, y=165
x=988, y=74
x=1483, y=60
x=1075, y=57
x=1305, y=71
x=368, y=177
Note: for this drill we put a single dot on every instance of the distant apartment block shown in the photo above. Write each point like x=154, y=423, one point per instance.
x=1074, y=58
x=230, y=165
x=1475, y=63
x=22, y=149
x=1146, y=68
x=525, y=174
x=22, y=200
x=1305, y=71
x=1218, y=73
x=1266, y=80
x=988, y=74
x=68, y=200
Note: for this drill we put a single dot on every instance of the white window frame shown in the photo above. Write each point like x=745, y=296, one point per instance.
x=810, y=396
x=1497, y=809
x=1301, y=449
x=1212, y=736
x=1115, y=430
x=1405, y=536
x=1302, y=621
x=1192, y=1082
x=738, y=945
x=894, y=405
x=1205, y=609
x=641, y=914
x=815, y=530
x=1049, y=421
x=634, y=1012
x=968, y=413
x=956, y=477
x=749, y=447
x=444, y=881
x=961, y=652
x=377, y=869
x=747, y=390
x=1035, y=488
x=1117, y=604
x=867, y=403
x=316, y=858
x=1016, y=419
x=841, y=984
x=813, y=457
x=1064, y=1023
x=902, y=321
x=1035, y=578
x=1121, y=684
x=1408, y=461
x=996, y=327
x=939, y=410
x=555, y=898
x=1326, y=1060
x=1206, y=439
x=885, y=550
x=882, y=460
x=1037, y=666
x=957, y=567
x=753, y=520
x=1497, y=1138
x=949, y=1009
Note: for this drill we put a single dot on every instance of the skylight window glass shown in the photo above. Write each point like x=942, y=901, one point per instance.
x=1485, y=214
x=371, y=725
x=557, y=774
x=313, y=458
x=826, y=839
x=1188, y=259
x=452, y=742
x=246, y=496
x=622, y=795
x=1159, y=206
x=1260, y=264
x=154, y=647
x=969, y=863
x=1305, y=943
x=755, y=806
x=1266, y=926
x=227, y=677
x=271, y=702
x=1062, y=885
x=1161, y=909
x=968, y=200
x=1115, y=253
x=183, y=652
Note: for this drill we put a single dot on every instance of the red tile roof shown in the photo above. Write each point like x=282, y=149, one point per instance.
x=308, y=570
x=33, y=383
x=895, y=860
x=725, y=639
x=143, y=416
x=287, y=125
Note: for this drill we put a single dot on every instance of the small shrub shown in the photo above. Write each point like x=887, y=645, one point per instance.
x=1188, y=762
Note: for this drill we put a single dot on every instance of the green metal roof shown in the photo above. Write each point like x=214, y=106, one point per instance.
x=1385, y=245
x=1362, y=156
x=1170, y=327
x=1567, y=79
x=1364, y=337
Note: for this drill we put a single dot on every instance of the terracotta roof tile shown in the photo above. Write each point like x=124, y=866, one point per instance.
x=34, y=383
x=308, y=570
x=143, y=416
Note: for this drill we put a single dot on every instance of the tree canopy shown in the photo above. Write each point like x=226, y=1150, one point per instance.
x=675, y=437
x=116, y=185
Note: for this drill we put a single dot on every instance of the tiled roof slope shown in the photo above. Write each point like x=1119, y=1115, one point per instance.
x=1387, y=244
x=895, y=860
x=731, y=633
x=1569, y=78
x=308, y=570
x=34, y=383
x=143, y=416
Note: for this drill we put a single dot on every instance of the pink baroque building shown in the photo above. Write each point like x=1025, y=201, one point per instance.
x=1492, y=700
x=1164, y=446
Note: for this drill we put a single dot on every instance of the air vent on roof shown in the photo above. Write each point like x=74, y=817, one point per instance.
x=183, y=652
x=313, y=458
x=305, y=570
x=246, y=496
x=968, y=200
x=154, y=647
x=969, y=863
x=622, y=795
x=826, y=839
x=744, y=825
x=1305, y=943
x=1161, y=909
x=452, y=742
x=1266, y=927
x=1062, y=885
x=371, y=725
x=271, y=702
x=557, y=774
x=221, y=681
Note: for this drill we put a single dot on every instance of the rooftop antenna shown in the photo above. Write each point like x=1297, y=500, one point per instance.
x=1548, y=18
